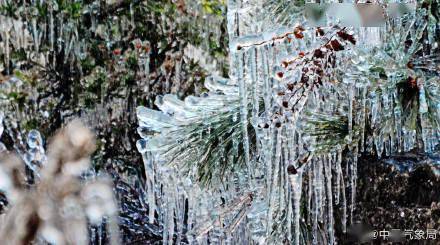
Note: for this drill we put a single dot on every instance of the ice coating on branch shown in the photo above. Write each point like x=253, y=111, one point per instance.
x=243, y=159
x=35, y=157
x=176, y=142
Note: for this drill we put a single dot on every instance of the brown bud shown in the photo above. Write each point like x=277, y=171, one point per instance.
x=337, y=46
x=318, y=53
x=304, y=79
x=319, y=32
x=351, y=39
x=298, y=35
x=328, y=46
x=342, y=34
x=291, y=170
x=298, y=32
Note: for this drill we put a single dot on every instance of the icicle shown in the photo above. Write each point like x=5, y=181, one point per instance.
x=290, y=144
x=273, y=191
x=267, y=89
x=150, y=182
x=7, y=50
x=317, y=194
x=310, y=192
x=344, y=206
x=397, y=120
x=296, y=189
x=320, y=189
x=350, y=111
x=243, y=91
x=51, y=28
x=363, y=117
x=409, y=138
x=180, y=214
x=254, y=82
x=35, y=35
x=387, y=115
x=2, y=146
x=428, y=141
x=338, y=161
x=328, y=177
x=168, y=212
x=374, y=107
x=171, y=223
x=353, y=181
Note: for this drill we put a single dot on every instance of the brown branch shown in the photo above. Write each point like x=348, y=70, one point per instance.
x=297, y=32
